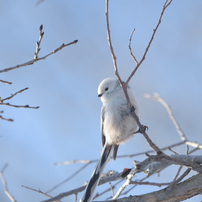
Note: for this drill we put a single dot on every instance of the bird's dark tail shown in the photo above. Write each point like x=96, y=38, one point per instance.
x=93, y=182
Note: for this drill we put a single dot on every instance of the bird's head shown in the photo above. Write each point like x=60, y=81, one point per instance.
x=107, y=87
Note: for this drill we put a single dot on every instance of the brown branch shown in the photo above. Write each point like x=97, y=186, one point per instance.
x=38, y=42
x=37, y=59
x=7, y=82
x=5, y=119
x=12, y=95
x=124, y=86
x=110, y=43
x=130, y=49
x=166, y=4
x=19, y=106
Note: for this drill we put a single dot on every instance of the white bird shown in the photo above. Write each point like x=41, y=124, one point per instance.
x=117, y=126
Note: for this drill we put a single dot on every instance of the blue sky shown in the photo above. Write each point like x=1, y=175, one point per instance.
x=67, y=124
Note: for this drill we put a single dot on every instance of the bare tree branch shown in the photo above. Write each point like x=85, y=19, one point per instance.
x=6, y=119
x=124, y=86
x=38, y=191
x=3, y=118
x=69, y=178
x=5, y=184
x=108, y=177
x=16, y=106
x=12, y=95
x=166, y=4
x=37, y=59
x=7, y=82
x=38, y=42
x=150, y=166
x=110, y=43
x=19, y=106
x=171, y=186
x=184, y=190
x=156, y=97
x=150, y=183
x=88, y=162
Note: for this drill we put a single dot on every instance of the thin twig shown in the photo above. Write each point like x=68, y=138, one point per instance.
x=110, y=43
x=115, y=176
x=107, y=190
x=130, y=49
x=150, y=183
x=124, y=85
x=37, y=59
x=124, y=193
x=38, y=191
x=149, y=151
x=112, y=189
x=179, y=179
x=7, y=82
x=172, y=151
x=19, y=106
x=38, y=42
x=166, y=4
x=69, y=178
x=74, y=162
x=156, y=97
x=12, y=95
x=159, y=99
x=5, y=119
x=177, y=174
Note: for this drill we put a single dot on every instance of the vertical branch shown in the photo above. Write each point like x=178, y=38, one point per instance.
x=124, y=86
x=114, y=57
x=110, y=43
x=166, y=4
x=38, y=42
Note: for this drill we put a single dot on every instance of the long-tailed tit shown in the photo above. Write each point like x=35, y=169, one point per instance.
x=117, y=125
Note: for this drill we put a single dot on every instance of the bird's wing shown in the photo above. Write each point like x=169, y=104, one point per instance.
x=102, y=126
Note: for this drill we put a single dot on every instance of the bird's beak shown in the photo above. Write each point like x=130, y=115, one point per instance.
x=100, y=95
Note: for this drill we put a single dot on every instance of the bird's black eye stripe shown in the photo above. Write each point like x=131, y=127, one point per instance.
x=106, y=89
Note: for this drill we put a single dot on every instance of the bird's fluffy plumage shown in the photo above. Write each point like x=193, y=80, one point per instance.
x=117, y=123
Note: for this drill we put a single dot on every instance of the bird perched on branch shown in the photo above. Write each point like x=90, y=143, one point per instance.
x=117, y=126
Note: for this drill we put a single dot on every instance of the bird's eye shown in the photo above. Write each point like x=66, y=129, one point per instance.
x=106, y=89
